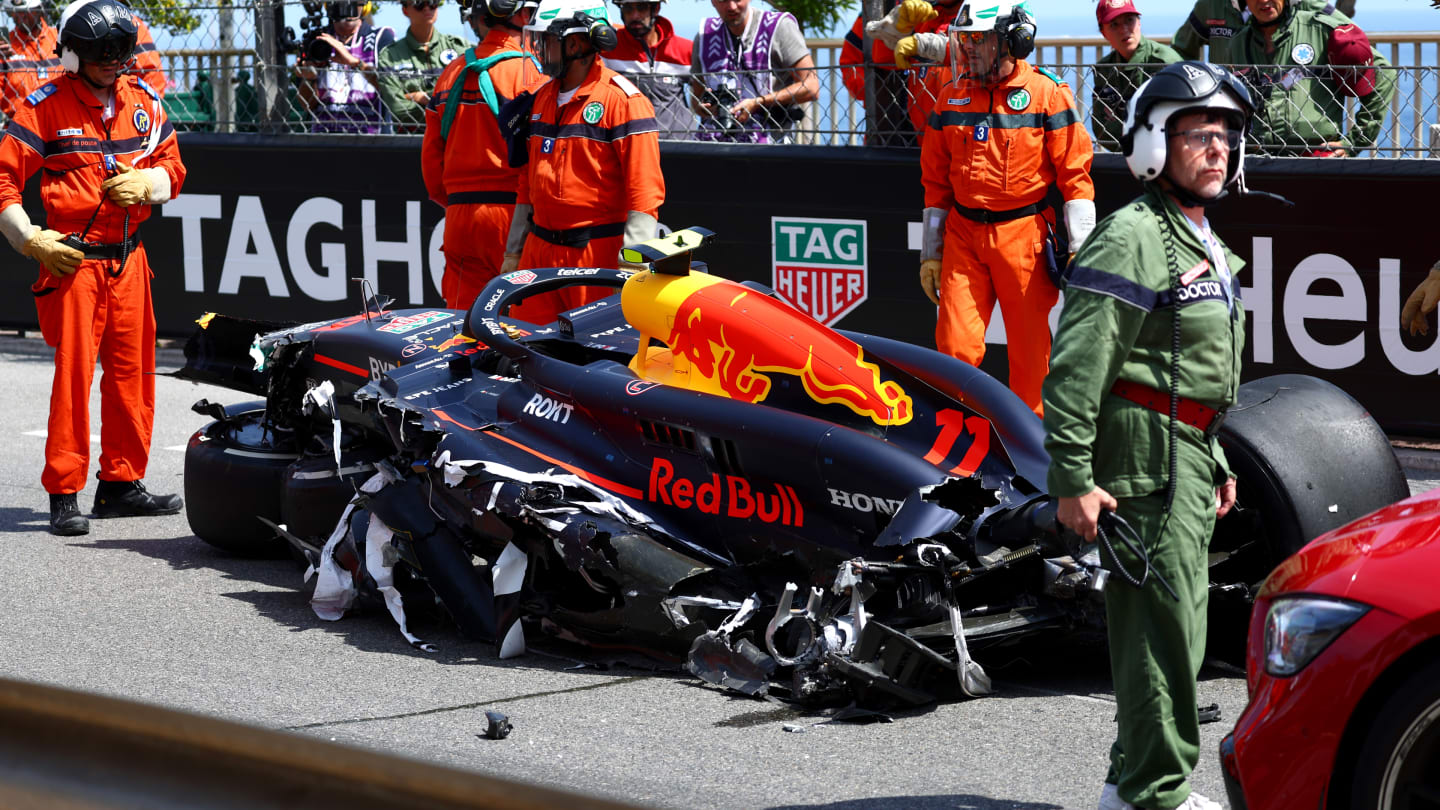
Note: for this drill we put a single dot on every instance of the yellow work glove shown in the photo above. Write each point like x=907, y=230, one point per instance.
x=905, y=51
x=45, y=247
x=128, y=187
x=913, y=12
x=930, y=279
x=1421, y=303
x=510, y=264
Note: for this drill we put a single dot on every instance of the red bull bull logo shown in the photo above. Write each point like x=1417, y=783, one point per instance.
x=456, y=342
x=736, y=337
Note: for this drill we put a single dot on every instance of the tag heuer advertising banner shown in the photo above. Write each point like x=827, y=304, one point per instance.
x=819, y=265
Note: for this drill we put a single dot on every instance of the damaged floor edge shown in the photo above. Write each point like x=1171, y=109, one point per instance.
x=468, y=706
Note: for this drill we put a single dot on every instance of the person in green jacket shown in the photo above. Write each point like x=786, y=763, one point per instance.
x=1305, y=65
x=1218, y=21
x=1153, y=324
x=1121, y=72
x=409, y=66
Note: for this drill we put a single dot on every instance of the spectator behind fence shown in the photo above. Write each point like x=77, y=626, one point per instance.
x=464, y=156
x=409, y=66
x=921, y=80
x=1121, y=72
x=338, y=82
x=1002, y=134
x=739, y=55
x=657, y=61
x=1218, y=21
x=1306, y=64
x=27, y=56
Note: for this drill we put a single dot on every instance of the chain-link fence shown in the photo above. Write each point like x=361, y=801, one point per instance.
x=274, y=66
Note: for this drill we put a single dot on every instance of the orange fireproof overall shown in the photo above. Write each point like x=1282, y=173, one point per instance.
x=103, y=310
x=591, y=163
x=468, y=172
x=995, y=150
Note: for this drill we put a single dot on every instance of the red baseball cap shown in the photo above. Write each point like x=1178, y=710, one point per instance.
x=1349, y=46
x=1108, y=10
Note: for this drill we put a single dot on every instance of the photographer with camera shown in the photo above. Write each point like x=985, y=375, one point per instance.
x=409, y=67
x=737, y=59
x=336, y=69
x=108, y=154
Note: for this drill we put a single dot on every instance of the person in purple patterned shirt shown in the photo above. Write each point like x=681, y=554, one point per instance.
x=738, y=60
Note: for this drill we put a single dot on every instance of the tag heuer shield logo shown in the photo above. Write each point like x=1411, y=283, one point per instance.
x=820, y=265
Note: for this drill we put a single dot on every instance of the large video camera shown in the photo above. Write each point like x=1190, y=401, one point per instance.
x=309, y=46
x=775, y=119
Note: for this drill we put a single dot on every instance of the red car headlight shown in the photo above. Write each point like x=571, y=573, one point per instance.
x=1298, y=628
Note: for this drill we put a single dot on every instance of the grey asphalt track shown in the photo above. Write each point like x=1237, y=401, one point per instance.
x=141, y=609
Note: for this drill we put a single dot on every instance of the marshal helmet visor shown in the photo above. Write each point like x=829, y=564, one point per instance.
x=116, y=47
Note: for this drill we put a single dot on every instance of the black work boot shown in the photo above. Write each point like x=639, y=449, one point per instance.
x=65, y=517
x=130, y=499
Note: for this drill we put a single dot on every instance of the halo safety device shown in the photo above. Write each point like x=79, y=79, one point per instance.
x=96, y=31
x=1181, y=88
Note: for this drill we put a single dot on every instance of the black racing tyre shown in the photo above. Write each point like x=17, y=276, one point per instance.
x=315, y=492
x=1396, y=765
x=1308, y=459
x=234, y=475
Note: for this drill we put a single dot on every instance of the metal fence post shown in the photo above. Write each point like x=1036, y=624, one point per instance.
x=871, y=10
x=223, y=79
x=271, y=79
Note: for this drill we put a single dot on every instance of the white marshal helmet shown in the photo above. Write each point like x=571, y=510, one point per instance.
x=1010, y=20
x=1180, y=88
x=21, y=5
x=564, y=17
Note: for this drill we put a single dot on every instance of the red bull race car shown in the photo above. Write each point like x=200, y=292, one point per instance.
x=693, y=468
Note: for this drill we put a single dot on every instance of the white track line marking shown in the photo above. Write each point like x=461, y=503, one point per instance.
x=95, y=439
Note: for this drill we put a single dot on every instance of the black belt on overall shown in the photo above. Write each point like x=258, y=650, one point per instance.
x=985, y=217
x=102, y=250
x=578, y=237
x=1203, y=417
x=481, y=197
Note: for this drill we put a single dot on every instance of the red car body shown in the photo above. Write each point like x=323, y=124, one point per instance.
x=1293, y=745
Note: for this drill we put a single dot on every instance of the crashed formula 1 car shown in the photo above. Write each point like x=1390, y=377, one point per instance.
x=693, y=468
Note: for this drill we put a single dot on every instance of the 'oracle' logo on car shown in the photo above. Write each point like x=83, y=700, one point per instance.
x=735, y=497
x=547, y=408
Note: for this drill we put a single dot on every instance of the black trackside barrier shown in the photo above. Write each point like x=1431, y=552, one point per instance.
x=273, y=228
